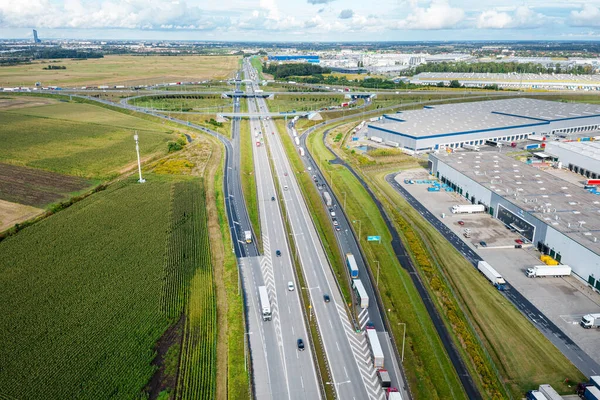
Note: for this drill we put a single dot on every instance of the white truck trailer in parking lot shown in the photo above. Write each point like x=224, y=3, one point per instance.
x=542, y=271
x=590, y=321
x=492, y=275
x=471, y=147
x=468, y=208
x=378, y=359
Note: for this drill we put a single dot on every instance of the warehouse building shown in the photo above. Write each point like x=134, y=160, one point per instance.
x=560, y=218
x=580, y=157
x=507, y=120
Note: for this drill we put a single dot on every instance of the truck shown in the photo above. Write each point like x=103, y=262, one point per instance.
x=595, y=380
x=297, y=140
x=248, y=236
x=361, y=293
x=542, y=271
x=532, y=146
x=384, y=378
x=327, y=198
x=376, y=139
x=535, y=395
x=471, y=147
x=373, y=339
x=301, y=151
x=265, y=304
x=467, y=232
x=491, y=274
x=468, y=208
x=549, y=392
x=594, y=182
x=351, y=264
x=393, y=394
x=433, y=189
x=591, y=393
x=537, y=138
x=589, y=321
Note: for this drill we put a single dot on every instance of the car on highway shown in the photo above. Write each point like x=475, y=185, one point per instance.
x=291, y=286
x=335, y=223
x=278, y=253
x=285, y=173
x=285, y=187
x=518, y=241
x=337, y=228
x=272, y=198
x=483, y=244
x=326, y=298
x=461, y=222
x=300, y=344
x=333, y=213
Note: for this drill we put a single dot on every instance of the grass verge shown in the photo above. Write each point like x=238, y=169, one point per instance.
x=249, y=179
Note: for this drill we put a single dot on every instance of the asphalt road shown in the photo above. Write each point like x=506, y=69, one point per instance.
x=573, y=352
x=348, y=243
x=291, y=373
x=346, y=351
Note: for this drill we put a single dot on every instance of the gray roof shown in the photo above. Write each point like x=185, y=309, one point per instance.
x=482, y=116
x=587, y=149
x=556, y=202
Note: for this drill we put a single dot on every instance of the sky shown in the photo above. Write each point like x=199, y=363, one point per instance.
x=302, y=20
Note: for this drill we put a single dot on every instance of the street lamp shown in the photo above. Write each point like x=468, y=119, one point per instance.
x=359, y=226
x=403, y=338
x=377, y=261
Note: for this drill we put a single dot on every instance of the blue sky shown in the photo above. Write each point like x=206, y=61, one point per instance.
x=302, y=20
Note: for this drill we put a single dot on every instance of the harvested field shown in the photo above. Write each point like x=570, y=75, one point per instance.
x=13, y=213
x=12, y=103
x=37, y=188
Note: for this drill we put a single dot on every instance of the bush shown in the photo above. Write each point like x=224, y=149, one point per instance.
x=174, y=146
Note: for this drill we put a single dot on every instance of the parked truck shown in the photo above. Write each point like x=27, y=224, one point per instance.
x=549, y=392
x=248, y=236
x=376, y=139
x=535, y=395
x=265, y=304
x=542, y=271
x=373, y=339
x=468, y=208
x=327, y=198
x=591, y=393
x=471, y=147
x=589, y=321
x=492, y=275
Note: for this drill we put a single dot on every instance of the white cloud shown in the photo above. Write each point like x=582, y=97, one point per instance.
x=438, y=14
x=346, y=14
x=521, y=17
x=588, y=16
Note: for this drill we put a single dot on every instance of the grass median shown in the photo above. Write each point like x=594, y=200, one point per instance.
x=249, y=178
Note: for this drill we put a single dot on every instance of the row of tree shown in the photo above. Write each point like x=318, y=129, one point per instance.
x=281, y=71
x=502, y=67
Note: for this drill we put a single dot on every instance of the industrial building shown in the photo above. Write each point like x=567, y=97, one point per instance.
x=311, y=58
x=454, y=125
x=559, y=218
x=580, y=157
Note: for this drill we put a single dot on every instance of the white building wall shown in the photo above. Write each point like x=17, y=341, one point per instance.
x=583, y=261
x=569, y=157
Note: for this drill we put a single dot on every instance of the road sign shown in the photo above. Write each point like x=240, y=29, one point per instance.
x=374, y=238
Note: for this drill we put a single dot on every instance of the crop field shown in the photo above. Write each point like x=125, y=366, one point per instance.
x=77, y=139
x=305, y=102
x=121, y=70
x=13, y=213
x=36, y=188
x=204, y=103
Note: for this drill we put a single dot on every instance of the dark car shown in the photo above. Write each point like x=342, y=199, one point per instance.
x=326, y=298
x=483, y=244
x=300, y=345
x=278, y=253
x=273, y=198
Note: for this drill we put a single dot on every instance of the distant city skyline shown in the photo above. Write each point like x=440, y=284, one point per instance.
x=302, y=20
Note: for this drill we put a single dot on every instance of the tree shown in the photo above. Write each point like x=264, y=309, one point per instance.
x=455, y=84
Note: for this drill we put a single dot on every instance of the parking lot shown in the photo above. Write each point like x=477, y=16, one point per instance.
x=562, y=300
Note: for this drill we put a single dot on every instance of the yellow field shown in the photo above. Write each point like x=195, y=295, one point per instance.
x=120, y=70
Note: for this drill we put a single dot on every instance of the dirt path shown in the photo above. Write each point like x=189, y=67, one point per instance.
x=217, y=250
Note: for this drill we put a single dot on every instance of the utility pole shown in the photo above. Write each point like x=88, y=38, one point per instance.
x=137, y=149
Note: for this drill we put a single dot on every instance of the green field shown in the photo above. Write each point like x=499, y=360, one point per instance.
x=121, y=70
x=248, y=177
x=305, y=102
x=209, y=104
x=77, y=139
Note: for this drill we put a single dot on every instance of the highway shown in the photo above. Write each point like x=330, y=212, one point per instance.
x=288, y=373
x=553, y=333
x=353, y=375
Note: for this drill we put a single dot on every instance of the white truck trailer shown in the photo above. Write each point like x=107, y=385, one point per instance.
x=373, y=339
x=468, y=208
x=549, y=392
x=393, y=394
x=590, y=321
x=265, y=304
x=376, y=139
x=491, y=274
x=542, y=271
x=301, y=151
x=471, y=147
x=361, y=293
x=327, y=198
x=297, y=140
x=248, y=236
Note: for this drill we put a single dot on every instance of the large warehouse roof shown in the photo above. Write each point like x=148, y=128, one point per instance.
x=588, y=149
x=564, y=206
x=458, y=118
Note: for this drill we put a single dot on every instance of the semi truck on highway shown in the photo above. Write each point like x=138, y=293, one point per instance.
x=351, y=264
x=590, y=321
x=542, y=271
x=265, y=305
x=491, y=274
x=361, y=293
x=591, y=393
x=327, y=199
x=373, y=339
x=468, y=208
x=248, y=236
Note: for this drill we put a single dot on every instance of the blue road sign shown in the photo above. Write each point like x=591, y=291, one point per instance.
x=374, y=238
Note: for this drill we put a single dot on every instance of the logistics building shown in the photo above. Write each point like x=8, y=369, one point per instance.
x=559, y=218
x=580, y=157
x=509, y=120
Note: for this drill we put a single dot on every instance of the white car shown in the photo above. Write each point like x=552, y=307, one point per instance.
x=291, y=286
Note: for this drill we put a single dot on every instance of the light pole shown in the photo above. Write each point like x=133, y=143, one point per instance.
x=359, y=226
x=377, y=261
x=137, y=149
x=309, y=304
x=403, y=338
